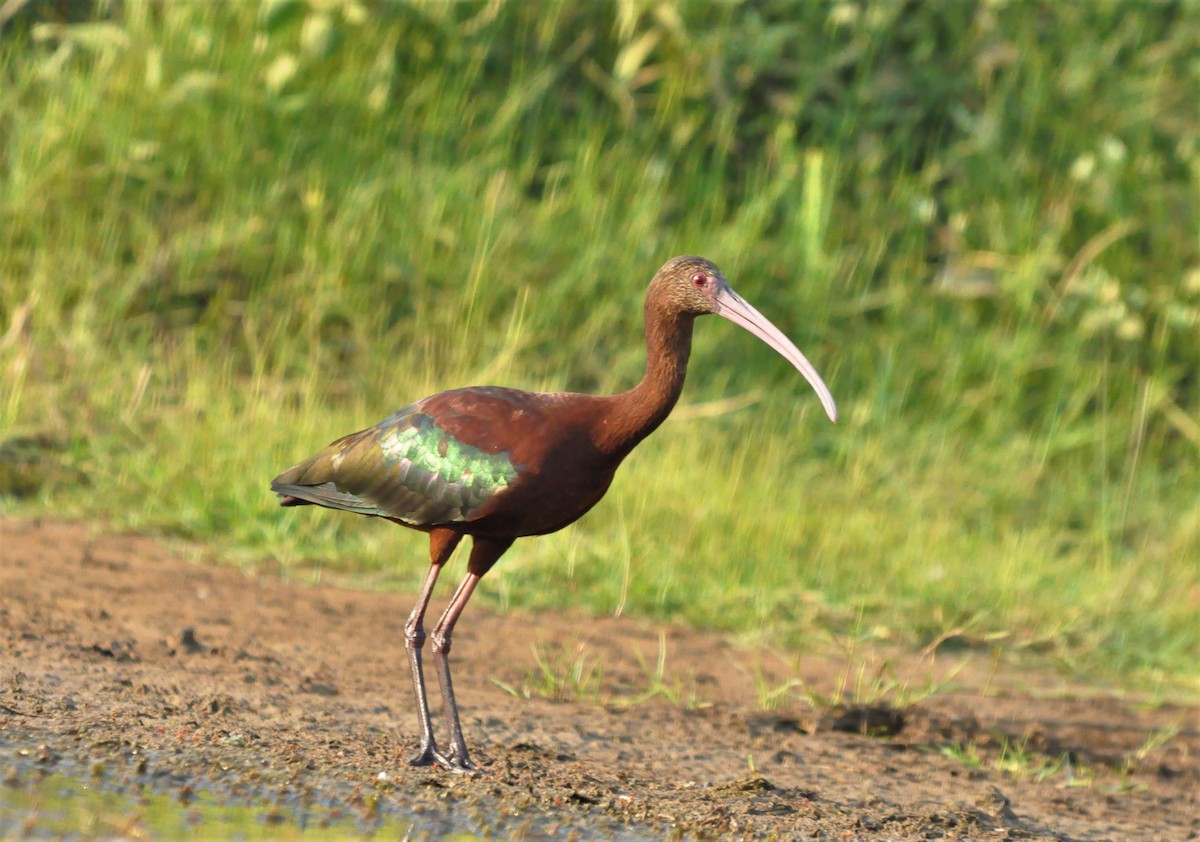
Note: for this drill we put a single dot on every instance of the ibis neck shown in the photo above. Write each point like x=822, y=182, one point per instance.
x=631, y=416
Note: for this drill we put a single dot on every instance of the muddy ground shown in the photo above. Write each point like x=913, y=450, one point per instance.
x=147, y=666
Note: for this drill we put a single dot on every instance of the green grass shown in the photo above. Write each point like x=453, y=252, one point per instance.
x=230, y=234
x=560, y=675
x=1015, y=760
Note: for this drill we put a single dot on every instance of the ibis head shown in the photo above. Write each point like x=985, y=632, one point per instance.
x=695, y=286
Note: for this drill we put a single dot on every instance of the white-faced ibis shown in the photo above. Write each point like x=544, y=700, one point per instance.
x=499, y=464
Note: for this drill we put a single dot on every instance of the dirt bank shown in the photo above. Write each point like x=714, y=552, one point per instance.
x=118, y=652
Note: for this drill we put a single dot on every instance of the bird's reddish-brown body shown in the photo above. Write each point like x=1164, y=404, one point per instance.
x=563, y=470
x=499, y=464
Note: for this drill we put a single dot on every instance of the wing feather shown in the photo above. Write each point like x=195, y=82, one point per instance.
x=438, y=461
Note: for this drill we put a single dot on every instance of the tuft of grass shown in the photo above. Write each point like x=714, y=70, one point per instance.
x=868, y=682
x=563, y=674
x=560, y=676
x=1154, y=741
x=774, y=695
x=1015, y=760
x=675, y=689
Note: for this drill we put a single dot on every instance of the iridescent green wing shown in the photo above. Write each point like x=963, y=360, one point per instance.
x=409, y=467
x=446, y=473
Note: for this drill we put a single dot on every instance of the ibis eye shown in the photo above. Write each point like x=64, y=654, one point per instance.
x=699, y=279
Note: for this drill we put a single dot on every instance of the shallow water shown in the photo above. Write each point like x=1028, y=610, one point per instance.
x=41, y=805
x=48, y=794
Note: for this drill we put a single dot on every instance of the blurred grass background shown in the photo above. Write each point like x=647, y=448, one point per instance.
x=230, y=232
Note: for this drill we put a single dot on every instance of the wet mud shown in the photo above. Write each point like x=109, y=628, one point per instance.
x=144, y=667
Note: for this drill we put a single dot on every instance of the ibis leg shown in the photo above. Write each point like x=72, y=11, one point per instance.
x=457, y=758
x=483, y=555
x=441, y=545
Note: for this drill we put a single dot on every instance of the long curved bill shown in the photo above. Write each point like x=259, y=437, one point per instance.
x=733, y=307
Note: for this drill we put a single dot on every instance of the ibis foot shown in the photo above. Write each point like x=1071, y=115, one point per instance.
x=430, y=754
x=427, y=756
x=456, y=764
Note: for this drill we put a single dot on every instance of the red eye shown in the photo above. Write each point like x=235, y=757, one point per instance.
x=699, y=279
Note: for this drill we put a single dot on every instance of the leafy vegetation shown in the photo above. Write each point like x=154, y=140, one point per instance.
x=230, y=233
